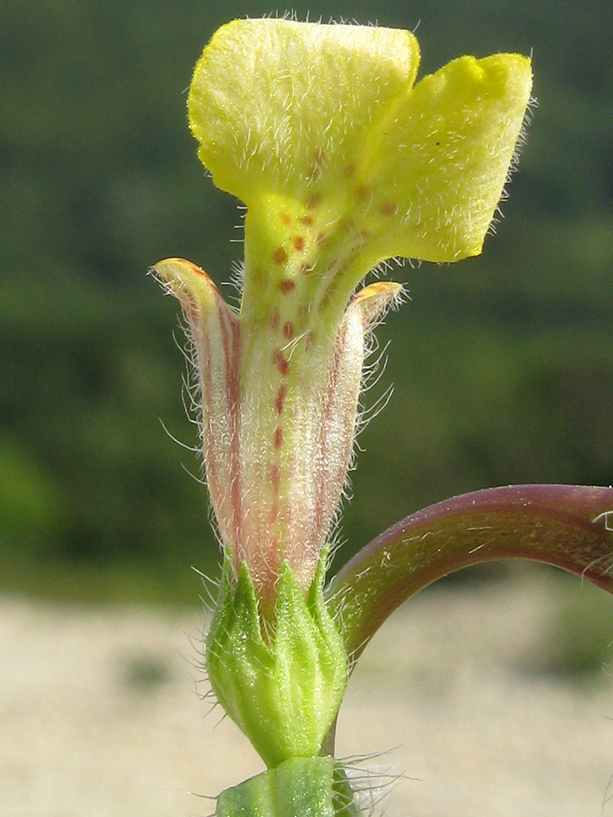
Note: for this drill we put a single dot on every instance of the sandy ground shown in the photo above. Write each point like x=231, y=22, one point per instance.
x=99, y=716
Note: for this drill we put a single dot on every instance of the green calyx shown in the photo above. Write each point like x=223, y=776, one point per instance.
x=299, y=787
x=281, y=681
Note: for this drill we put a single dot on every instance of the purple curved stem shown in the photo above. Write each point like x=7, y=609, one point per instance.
x=570, y=527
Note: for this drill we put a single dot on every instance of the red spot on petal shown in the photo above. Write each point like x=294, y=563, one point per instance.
x=388, y=208
x=309, y=340
x=286, y=286
x=273, y=320
x=288, y=329
x=299, y=243
x=313, y=201
x=286, y=219
x=279, y=255
x=362, y=193
x=281, y=362
x=280, y=399
x=278, y=437
x=258, y=276
x=308, y=220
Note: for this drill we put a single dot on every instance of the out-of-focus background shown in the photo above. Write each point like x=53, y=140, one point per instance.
x=503, y=373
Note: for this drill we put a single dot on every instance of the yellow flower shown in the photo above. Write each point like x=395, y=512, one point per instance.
x=342, y=163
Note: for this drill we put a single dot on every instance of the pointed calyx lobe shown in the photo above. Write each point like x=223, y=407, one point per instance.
x=342, y=164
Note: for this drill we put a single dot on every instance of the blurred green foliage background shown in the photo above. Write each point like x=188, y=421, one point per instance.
x=502, y=365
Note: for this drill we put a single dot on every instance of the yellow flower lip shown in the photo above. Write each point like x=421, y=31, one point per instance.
x=326, y=117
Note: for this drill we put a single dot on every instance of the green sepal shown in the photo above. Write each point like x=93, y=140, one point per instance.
x=280, y=681
x=299, y=787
